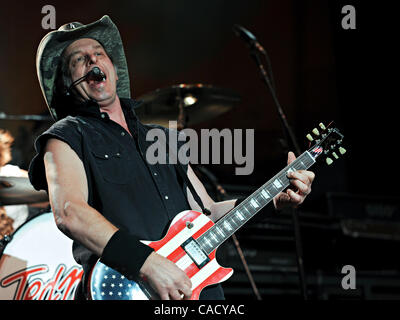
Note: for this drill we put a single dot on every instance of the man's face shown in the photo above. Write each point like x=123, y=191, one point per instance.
x=82, y=56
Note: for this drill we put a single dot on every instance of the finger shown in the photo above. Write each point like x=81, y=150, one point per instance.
x=281, y=199
x=175, y=295
x=164, y=295
x=187, y=293
x=300, y=175
x=302, y=188
x=295, y=198
x=291, y=157
x=310, y=175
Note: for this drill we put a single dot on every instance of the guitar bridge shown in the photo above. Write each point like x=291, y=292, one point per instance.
x=192, y=248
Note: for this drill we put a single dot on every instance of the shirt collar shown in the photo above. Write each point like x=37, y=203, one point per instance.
x=91, y=109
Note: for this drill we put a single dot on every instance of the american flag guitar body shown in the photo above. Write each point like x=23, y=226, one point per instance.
x=192, y=238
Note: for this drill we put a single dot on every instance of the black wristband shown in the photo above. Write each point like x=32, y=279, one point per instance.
x=125, y=254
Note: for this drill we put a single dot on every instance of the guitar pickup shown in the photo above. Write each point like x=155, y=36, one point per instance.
x=192, y=248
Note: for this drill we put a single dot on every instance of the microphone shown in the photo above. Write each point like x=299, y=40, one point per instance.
x=95, y=74
x=248, y=37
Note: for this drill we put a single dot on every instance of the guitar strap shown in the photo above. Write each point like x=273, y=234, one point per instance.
x=185, y=178
x=183, y=174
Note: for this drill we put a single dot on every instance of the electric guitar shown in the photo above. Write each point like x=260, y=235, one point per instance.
x=192, y=238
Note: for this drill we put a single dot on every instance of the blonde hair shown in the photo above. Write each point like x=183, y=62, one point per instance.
x=6, y=140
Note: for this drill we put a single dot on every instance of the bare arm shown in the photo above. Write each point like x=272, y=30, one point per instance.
x=218, y=209
x=300, y=180
x=68, y=194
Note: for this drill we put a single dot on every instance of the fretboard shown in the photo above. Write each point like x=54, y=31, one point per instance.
x=237, y=217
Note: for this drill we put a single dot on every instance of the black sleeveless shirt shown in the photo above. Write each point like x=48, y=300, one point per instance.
x=132, y=194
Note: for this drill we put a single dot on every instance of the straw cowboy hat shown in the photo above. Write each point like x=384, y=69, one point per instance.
x=48, y=57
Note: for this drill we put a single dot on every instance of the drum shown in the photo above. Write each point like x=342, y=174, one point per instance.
x=37, y=264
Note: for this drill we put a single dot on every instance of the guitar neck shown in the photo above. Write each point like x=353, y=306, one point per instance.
x=237, y=217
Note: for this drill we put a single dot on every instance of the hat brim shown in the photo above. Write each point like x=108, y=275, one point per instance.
x=49, y=52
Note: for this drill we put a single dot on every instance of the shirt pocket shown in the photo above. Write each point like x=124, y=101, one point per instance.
x=113, y=165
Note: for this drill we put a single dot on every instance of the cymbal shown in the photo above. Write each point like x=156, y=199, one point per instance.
x=34, y=117
x=18, y=190
x=199, y=102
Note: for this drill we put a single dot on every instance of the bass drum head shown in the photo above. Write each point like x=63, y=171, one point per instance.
x=37, y=264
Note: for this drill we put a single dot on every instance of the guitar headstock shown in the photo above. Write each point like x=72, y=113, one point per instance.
x=327, y=141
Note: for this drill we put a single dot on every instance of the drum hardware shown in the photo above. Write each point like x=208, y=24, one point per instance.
x=18, y=190
x=257, y=53
x=188, y=104
x=222, y=195
x=3, y=242
x=37, y=263
x=371, y=229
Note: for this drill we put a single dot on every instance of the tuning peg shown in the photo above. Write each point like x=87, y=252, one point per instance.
x=315, y=131
x=329, y=161
x=321, y=125
x=342, y=150
x=309, y=137
x=335, y=155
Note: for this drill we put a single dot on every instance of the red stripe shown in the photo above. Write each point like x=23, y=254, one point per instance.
x=192, y=270
x=174, y=229
x=214, y=278
x=179, y=252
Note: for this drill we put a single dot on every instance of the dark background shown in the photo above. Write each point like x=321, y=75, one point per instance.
x=322, y=73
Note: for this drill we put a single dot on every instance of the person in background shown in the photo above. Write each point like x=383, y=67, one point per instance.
x=11, y=216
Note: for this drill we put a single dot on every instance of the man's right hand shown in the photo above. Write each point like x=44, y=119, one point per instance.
x=166, y=278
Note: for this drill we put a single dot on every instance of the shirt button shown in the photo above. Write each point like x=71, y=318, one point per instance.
x=122, y=133
x=155, y=173
x=103, y=115
x=166, y=197
x=106, y=156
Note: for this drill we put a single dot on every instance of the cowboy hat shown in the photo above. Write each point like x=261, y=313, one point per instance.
x=48, y=57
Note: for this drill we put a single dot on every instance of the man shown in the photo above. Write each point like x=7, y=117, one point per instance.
x=103, y=193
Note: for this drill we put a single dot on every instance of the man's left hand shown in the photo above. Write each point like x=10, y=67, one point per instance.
x=300, y=181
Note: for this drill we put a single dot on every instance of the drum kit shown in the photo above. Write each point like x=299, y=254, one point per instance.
x=36, y=261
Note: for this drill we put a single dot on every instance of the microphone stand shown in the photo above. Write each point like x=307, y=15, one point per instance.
x=255, y=51
x=221, y=193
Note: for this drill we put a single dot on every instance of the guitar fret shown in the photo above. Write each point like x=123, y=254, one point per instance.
x=265, y=194
x=219, y=230
x=227, y=225
x=254, y=203
x=231, y=222
x=239, y=214
x=277, y=183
